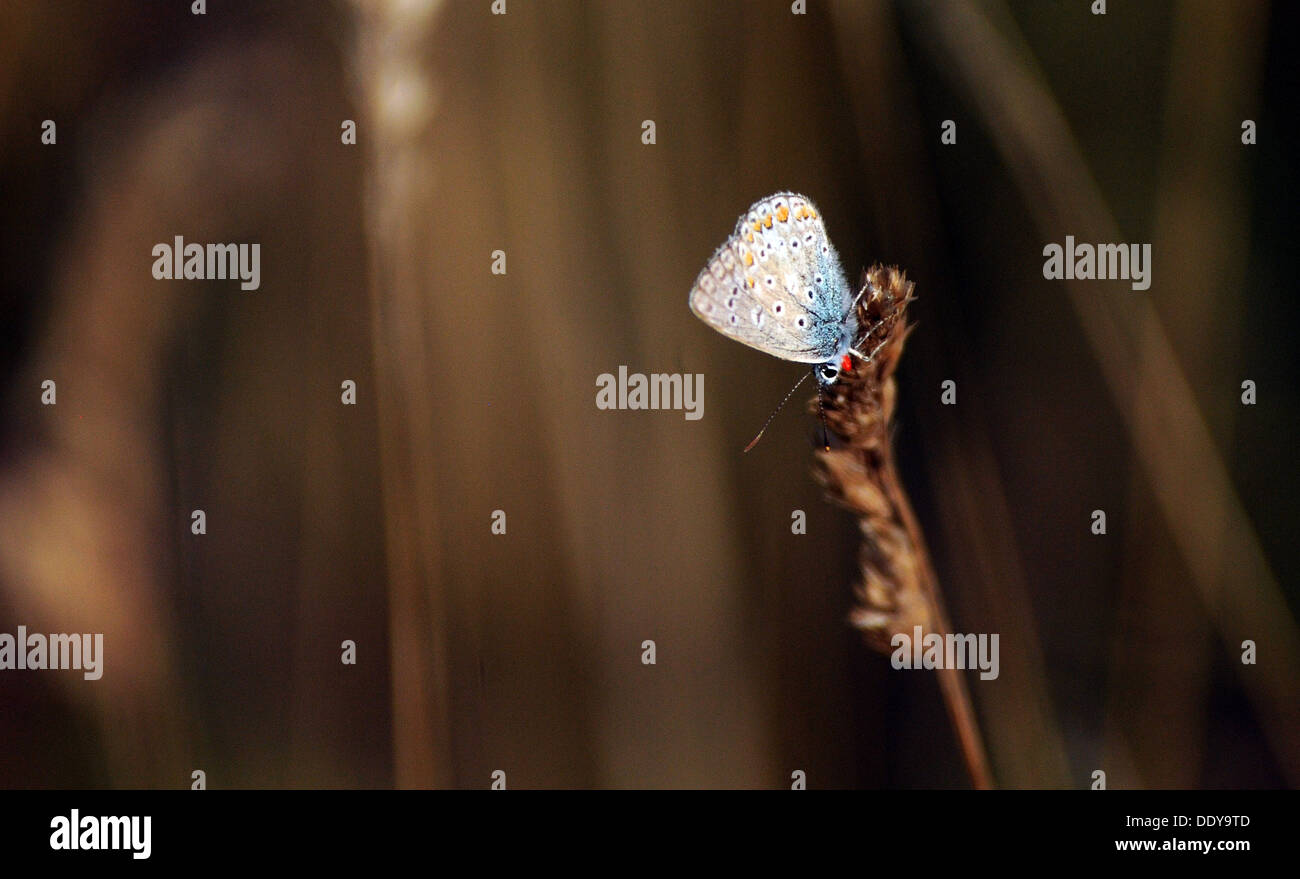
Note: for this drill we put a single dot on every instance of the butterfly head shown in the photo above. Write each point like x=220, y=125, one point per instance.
x=828, y=373
x=842, y=364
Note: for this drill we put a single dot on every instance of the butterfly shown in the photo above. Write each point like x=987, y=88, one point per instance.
x=777, y=285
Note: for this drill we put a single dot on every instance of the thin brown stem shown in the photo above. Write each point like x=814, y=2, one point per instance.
x=956, y=695
x=898, y=590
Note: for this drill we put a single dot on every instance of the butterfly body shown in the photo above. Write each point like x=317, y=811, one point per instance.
x=776, y=285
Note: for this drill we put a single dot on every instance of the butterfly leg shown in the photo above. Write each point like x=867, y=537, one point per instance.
x=866, y=288
x=867, y=357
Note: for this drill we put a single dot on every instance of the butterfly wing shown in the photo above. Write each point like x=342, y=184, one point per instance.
x=776, y=283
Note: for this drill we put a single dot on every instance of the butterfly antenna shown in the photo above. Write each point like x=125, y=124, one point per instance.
x=821, y=410
x=755, y=440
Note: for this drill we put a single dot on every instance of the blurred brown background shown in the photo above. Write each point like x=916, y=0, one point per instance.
x=477, y=392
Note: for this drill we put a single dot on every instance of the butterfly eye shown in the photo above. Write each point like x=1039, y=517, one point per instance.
x=829, y=372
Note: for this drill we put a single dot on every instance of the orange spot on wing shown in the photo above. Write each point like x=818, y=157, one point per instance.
x=783, y=213
x=749, y=261
x=767, y=221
